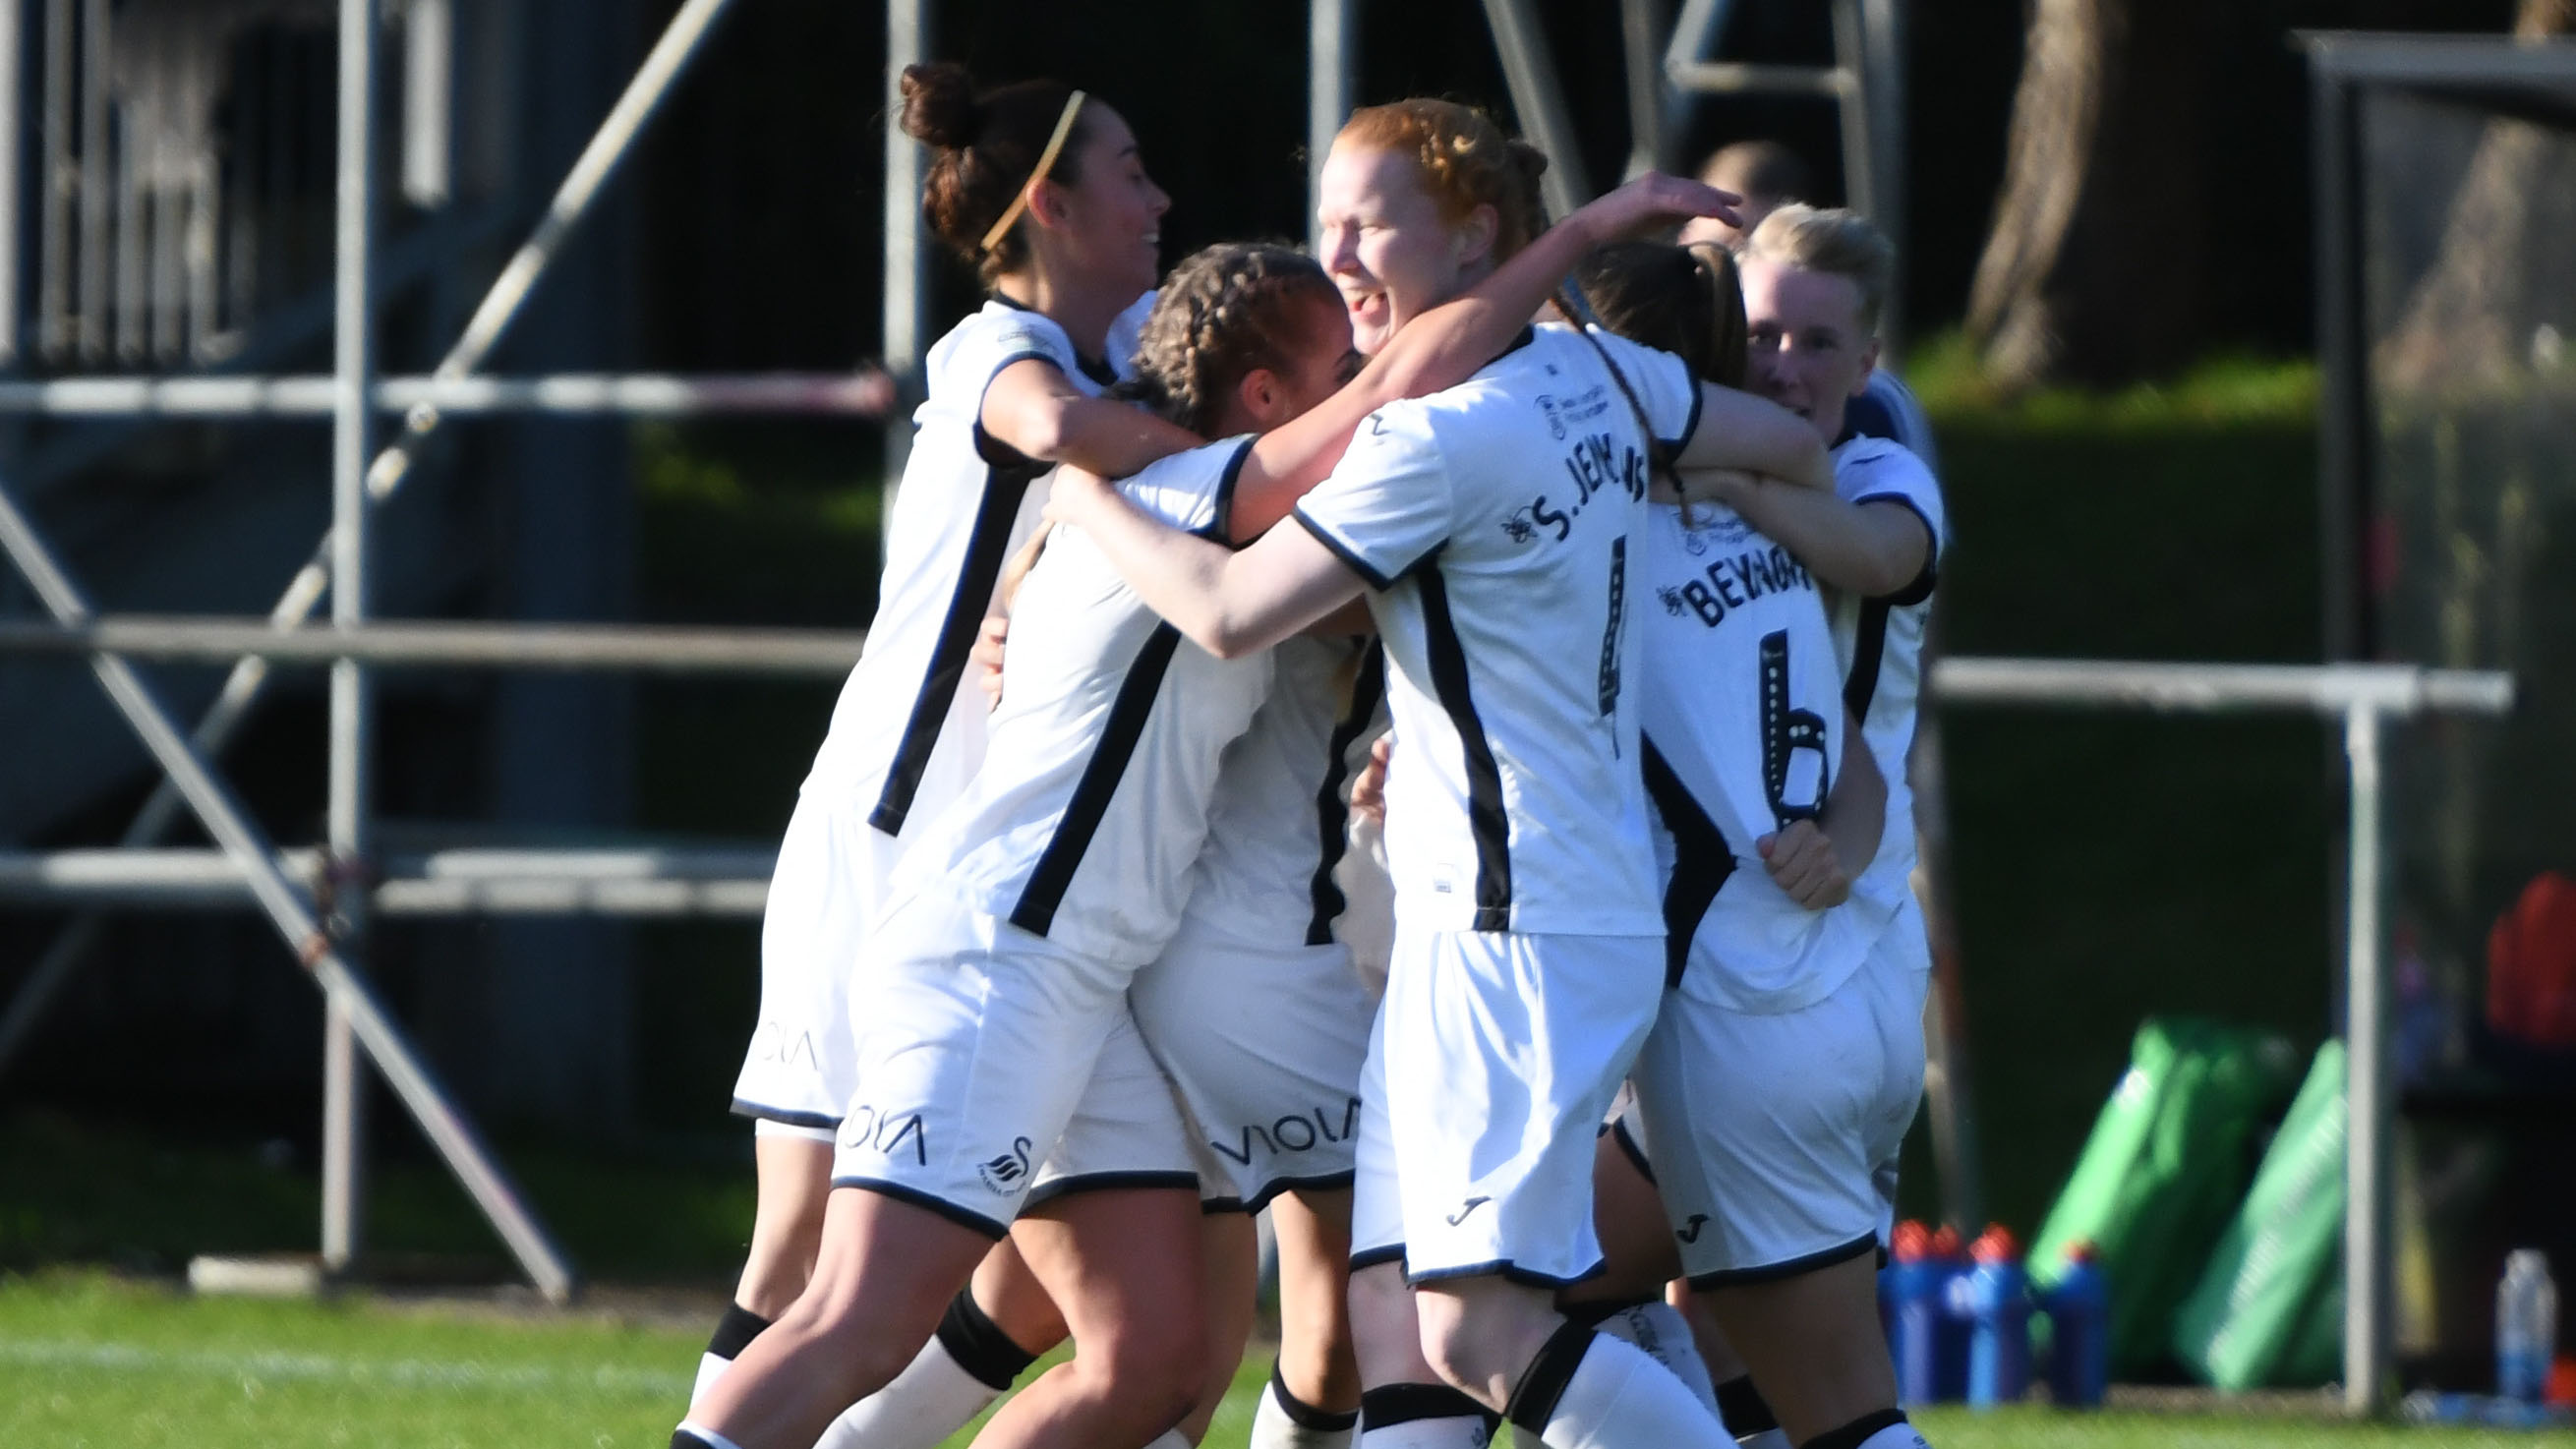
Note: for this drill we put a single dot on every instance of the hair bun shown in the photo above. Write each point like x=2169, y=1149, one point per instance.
x=1529, y=160
x=939, y=106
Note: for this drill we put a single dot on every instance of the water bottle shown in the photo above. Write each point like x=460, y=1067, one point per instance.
x=2526, y=1335
x=1911, y=1289
x=2079, y=1313
x=1999, y=1341
x=1952, y=1316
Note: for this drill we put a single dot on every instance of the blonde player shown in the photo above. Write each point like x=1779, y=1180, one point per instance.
x=1261, y=1022
x=1787, y=1061
x=1044, y=192
x=1492, y=522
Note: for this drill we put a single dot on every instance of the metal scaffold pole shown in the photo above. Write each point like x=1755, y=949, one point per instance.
x=1332, y=60
x=644, y=95
x=907, y=282
x=249, y=847
x=352, y=761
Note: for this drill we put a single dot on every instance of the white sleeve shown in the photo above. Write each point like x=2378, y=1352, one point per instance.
x=1874, y=470
x=1126, y=331
x=1192, y=490
x=981, y=347
x=1664, y=384
x=1389, y=504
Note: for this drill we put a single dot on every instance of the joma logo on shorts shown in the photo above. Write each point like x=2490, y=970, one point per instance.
x=1007, y=1172
x=1296, y=1133
x=866, y=1129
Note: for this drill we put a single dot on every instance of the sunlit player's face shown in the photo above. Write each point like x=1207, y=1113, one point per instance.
x=1320, y=362
x=1113, y=220
x=1809, y=352
x=1384, y=242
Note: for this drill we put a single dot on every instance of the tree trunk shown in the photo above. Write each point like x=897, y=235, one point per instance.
x=2094, y=271
x=2498, y=299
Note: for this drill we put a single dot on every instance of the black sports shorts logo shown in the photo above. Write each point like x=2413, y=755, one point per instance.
x=1472, y=1204
x=1689, y=1231
x=1007, y=1172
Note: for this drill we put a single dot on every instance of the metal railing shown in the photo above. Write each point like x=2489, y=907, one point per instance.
x=2362, y=698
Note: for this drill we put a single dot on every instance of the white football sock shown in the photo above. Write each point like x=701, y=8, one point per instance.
x=1772, y=1438
x=931, y=1399
x=1618, y=1397
x=710, y=1369
x=1662, y=1334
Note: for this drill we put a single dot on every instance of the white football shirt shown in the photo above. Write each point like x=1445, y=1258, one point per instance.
x=1880, y=642
x=1087, y=816
x=908, y=730
x=1739, y=697
x=1281, y=817
x=1494, y=521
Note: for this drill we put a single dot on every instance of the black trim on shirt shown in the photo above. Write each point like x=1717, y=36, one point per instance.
x=1921, y=588
x=1098, y=369
x=1332, y=811
x=1701, y=859
x=988, y=544
x=1089, y=803
x=1343, y=551
x=1690, y=429
x=1220, y=525
x=1869, y=649
x=1488, y=823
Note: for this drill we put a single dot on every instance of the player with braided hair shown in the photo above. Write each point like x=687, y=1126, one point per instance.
x=1000, y=970
x=1487, y=528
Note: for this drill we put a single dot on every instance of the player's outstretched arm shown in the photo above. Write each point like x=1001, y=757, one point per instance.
x=1749, y=434
x=1035, y=410
x=1447, y=344
x=1874, y=549
x=1228, y=602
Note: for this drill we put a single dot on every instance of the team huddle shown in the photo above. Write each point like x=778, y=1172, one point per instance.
x=1333, y=745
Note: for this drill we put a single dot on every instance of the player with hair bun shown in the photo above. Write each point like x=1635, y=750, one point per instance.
x=1042, y=190
x=999, y=971
x=1487, y=527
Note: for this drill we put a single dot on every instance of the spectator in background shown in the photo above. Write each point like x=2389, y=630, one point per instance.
x=1769, y=176
x=1765, y=173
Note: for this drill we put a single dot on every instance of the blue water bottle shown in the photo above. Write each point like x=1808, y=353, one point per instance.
x=2079, y=1314
x=1910, y=1288
x=2526, y=1326
x=1999, y=1342
x=1954, y=1318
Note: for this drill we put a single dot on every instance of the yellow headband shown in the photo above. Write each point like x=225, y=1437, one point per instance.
x=1046, y=161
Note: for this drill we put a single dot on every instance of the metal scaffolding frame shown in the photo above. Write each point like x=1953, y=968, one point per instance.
x=320, y=901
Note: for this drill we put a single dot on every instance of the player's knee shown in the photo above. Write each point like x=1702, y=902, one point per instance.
x=1478, y=1348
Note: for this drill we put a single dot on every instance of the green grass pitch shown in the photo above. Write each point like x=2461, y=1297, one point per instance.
x=90, y=1361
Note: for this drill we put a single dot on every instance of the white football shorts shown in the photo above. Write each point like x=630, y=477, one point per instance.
x=829, y=885
x=1500, y=1054
x=1773, y=1139
x=1264, y=1042
x=1127, y=1130
x=975, y=1043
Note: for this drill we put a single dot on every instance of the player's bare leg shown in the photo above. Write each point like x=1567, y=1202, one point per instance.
x=1314, y=1393
x=1115, y=1262
x=1403, y=1403
x=1626, y=1300
x=1813, y=1343
x=886, y=1270
x=794, y=1175
x=994, y=1328
x=1748, y=1415
x=1231, y=1248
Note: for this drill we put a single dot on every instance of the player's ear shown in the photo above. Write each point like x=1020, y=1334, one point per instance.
x=1473, y=238
x=1868, y=365
x=1260, y=394
x=1048, y=206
